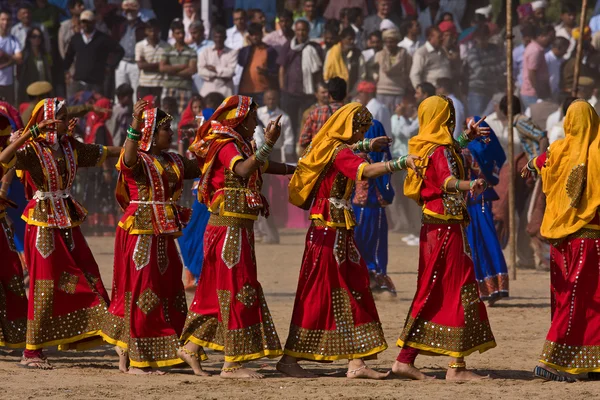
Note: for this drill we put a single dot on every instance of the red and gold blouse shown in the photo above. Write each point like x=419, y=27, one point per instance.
x=149, y=190
x=444, y=164
x=48, y=181
x=332, y=205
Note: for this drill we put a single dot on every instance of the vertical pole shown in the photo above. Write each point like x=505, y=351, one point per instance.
x=579, y=53
x=512, y=244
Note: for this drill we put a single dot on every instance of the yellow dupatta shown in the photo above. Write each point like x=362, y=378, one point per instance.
x=336, y=132
x=572, y=195
x=436, y=124
x=335, y=64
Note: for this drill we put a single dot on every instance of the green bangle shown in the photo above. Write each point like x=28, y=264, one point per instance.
x=403, y=162
x=133, y=131
x=463, y=140
x=456, y=185
x=135, y=138
x=35, y=131
x=471, y=184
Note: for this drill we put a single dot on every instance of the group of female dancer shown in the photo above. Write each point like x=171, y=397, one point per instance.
x=334, y=316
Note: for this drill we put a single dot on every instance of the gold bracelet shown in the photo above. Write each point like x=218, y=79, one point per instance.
x=456, y=365
x=231, y=369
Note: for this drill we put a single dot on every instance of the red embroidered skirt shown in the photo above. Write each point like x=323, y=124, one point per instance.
x=67, y=300
x=573, y=341
x=13, y=303
x=148, y=307
x=447, y=316
x=229, y=312
x=334, y=314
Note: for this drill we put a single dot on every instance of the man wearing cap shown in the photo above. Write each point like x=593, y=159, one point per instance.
x=539, y=11
x=366, y=96
x=129, y=30
x=394, y=68
x=90, y=50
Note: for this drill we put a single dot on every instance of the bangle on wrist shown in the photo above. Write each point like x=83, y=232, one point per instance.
x=456, y=185
x=463, y=139
x=403, y=162
x=471, y=184
x=35, y=131
x=263, y=152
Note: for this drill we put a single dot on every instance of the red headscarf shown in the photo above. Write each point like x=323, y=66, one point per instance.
x=187, y=117
x=96, y=121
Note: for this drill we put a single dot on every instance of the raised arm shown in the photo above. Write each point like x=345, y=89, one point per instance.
x=131, y=144
x=250, y=165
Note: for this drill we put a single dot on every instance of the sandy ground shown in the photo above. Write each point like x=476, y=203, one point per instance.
x=519, y=324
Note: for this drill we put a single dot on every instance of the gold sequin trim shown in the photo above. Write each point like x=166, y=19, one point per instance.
x=161, y=250
x=147, y=301
x=15, y=285
x=217, y=220
x=68, y=282
x=11, y=331
x=572, y=357
x=44, y=241
x=575, y=184
x=141, y=253
x=8, y=233
x=247, y=295
x=232, y=247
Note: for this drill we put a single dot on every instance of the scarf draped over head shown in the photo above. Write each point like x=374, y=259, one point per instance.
x=215, y=133
x=46, y=109
x=96, y=120
x=335, y=64
x=153, y=118
x=337, y=131
x=436, y=124
x=383, y=183
x=568, y=178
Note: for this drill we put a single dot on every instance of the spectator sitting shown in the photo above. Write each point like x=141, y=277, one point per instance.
x=344, y=60
x=129, y=30
x=20, y=30
x=178, y=63
x=430, y=62
x=284, y=147
x=199, y=43
x=148, y=53
x=555, y=59
x=445, y=87
x=367, y=97
x=394, y=68
x=316, y=23
x=536, y=77
x=485, y=64
x=384, y=11
x=282, y=35
x=10, y=54
x=121, y=114
x=70, y=27
x=236, y=35
x=90, y=50
x=36, y=64
x=259, y=63
x=299, y=69
x=216, y=66
x=337, y=89
x=423, y=91
x=411, y=30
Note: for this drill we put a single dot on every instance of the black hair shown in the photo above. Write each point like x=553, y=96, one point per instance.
x=516, y=105
x=322, y=84
x=568, y=8
x=177, y=24
x=25, y=6
x=153, y=23
x=560, y=41
x=544, y=30
x=213, y=100
x=338, y=89
x=446, y=14
x=242, y=11
x=285, y=14
x=31, y=32
x=377, y=34
x=160, y=114
x=427, y=88
x=344, y=13
x=567, y=103
x=528, y=30
x=72, y=3
x=219, y=29
x=445, y=83
x=430, y=30
x=348, y=33
x=302, y=21
x=354, y=13
x=332, y=26
x=123, y=90
x=255, y=29
x=482, y=30
x=407, y=24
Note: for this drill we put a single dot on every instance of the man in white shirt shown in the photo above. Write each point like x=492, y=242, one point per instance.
x=216, y=65
x=236, y=39
x=366, y=96
x=283, y=150
x=10, y=55
x=411, y=30
x=199, y=43
x=554, y=59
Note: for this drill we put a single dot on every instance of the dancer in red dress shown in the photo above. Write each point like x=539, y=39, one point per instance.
x=572, y=225
x=446, y=316
x=67, y=299
x=148, y=306
x=229, y=312
x=334, y=316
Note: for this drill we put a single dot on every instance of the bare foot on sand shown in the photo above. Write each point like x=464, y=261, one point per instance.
x=35, y=363
x=239, y=373
x=365, y=372
x=123, y=359
x=192, y=360
x=294, y=370
x=463, y=374
x=409, y=371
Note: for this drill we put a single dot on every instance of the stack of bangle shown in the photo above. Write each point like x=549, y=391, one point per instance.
x=463, y=140
x=396, y=165
x=133, y=134
x=35, y=131
x=262, y=154
x=364, y=146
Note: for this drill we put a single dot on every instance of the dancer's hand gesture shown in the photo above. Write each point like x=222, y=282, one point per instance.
x=478, y=187
x=380, y=143
x=410, y=163
x=273, y=131
x=474, y=130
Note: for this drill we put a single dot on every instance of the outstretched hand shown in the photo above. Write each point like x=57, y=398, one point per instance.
x=380, y=143
x=273, y=131
x=474, y=130
x=410, y=163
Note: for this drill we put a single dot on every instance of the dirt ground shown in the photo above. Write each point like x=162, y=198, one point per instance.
x=519, y=324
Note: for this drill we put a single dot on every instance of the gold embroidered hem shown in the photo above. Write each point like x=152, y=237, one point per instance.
x=12, y=332
x=571, y=359
x=347, y=342
x=447, y=340
x=13, y=345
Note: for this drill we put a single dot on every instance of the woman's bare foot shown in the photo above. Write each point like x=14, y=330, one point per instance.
x=140, y=371
x=192, y=359
x=35, y=363
x=463, y=374
x=294, y=370
x=409, y=371
x=237, y=372
x=365, y=372
x=123, y=359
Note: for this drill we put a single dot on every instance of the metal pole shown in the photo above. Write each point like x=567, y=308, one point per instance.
x=512, y=234
x=579, y=53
